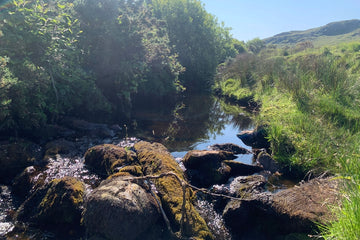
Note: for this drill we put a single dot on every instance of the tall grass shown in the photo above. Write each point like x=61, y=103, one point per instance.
x=311, y=104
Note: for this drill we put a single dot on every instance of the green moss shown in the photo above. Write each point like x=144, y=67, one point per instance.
x=107, y=158
x=62, y=201
x=134, y=170
x=155, y=159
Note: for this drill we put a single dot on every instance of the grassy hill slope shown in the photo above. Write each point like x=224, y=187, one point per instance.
x=330, y=34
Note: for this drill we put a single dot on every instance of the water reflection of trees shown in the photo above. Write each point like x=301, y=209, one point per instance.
x=194, y=119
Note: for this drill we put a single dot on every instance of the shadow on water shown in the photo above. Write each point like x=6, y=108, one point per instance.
x=194, y=122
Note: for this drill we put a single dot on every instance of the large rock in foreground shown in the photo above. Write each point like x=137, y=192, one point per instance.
x=119, y=209
x=57, y=204
x=295, y=210
x=155, y=160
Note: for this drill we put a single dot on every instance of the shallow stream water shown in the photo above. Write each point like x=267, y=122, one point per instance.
x=194, y=123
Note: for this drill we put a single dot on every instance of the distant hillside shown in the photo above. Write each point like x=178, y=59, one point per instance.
x=332, y=33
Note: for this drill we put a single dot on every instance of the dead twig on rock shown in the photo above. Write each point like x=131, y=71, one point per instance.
x=183, y=184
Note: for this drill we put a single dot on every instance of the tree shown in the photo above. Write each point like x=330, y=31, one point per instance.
x=127, y=50
x=39, y=39
x=255, y=45
x=201, y=42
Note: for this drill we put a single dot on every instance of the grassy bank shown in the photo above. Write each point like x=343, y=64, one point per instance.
x=310, y=105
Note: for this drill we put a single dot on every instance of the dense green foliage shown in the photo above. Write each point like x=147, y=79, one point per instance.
x=310, y=106
x=202, y=43
x=127, y=49
x=87, y=57
x=38, y=42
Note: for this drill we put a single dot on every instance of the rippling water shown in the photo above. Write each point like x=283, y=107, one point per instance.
x=6, y=207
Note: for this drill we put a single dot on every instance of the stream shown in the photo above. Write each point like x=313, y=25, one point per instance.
x=193, y=123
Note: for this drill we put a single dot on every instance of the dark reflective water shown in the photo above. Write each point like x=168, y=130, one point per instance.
x=194, y=123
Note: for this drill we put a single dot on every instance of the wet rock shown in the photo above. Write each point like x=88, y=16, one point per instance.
x=155, y=159
x=208, y=175
x=229, y=147
x=15, y=157
x=251, y=219
x=26, y=182
x=295, y=210
x=255, y=138
x=197, y=158
x=90, y=129
x=7, y=209
x=241, y=169
x=246, y=186
x=119, y=209
x=206, y=168
x=56, y=205
x=107, y=159
x=243, y=187
x=53, y=131
x=267, y=162
x=59, y=146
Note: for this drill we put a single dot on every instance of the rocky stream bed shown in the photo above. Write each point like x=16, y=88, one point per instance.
x=87, y=183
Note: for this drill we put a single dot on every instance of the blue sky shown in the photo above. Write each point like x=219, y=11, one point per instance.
x=264, y=18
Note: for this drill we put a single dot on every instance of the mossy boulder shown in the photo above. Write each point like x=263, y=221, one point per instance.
x=15, y=157
x=155, y=159
x=119, y=209
x=57, y=204
x=107, y=159
x=133, y=170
